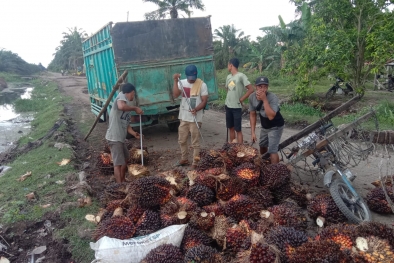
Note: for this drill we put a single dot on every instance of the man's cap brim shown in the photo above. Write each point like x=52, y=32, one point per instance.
x=193, y=77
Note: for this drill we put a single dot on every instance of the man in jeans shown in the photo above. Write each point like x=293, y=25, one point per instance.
x=196, y=92
x=236, y=83
x=118, y=127
x=266, y=104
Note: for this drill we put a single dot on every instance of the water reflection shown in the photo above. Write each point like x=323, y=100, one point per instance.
x=7, y=111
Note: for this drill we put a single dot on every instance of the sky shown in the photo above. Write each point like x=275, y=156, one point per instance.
x=33, y=28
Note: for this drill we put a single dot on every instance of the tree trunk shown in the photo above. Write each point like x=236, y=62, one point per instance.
x=174, y=13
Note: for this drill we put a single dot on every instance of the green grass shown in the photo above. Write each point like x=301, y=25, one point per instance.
x=47, y=104
x=298, y=112
x=9, y=77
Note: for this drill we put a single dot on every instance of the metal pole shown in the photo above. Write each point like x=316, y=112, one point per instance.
x=190, y=108
x=142, y=150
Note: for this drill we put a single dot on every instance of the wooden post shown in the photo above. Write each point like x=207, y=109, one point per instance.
x=104, y=108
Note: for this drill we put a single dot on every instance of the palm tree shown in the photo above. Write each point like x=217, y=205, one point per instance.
x=261, y=55
x=234, y=42
x=171, y=7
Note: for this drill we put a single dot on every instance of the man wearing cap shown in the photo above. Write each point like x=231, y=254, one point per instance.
x=236, y=83
x=266, y=104
x=119, y=118
x=195, y=91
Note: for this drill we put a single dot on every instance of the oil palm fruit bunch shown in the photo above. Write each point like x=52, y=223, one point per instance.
x=377, y=202
x=119, y=227
x=237, y=239
x=262, y=253
x=342, y=234
x=178, y=210
x=111, y=206
x=219, y=229
x=242, y=207
x=274, y=175
x=377, y=250
x=177, y=179
x=201, y=194
x=323, y=205
x=148, y=223
x=113, y=191
x=149, y=192
x=193, y=237
x=202, y=220
x=317, y=252
x=286, y=238
x=105, y=159
x=240, y=153
x=135, y=155
x=211, y=180
x=202, y=254
x=299, y=194
x=380, y=230
x=229, y=188
x=210, y=159
x=135, y=213
x=262, y=195
x=288, y=214
x=166, y=253
x=247, y=173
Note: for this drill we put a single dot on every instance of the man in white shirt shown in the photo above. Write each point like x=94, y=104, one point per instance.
x=196, y=92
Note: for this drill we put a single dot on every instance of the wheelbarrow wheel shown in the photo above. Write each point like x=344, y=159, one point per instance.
x=330, y=93
x=356, y=211
x=173, y=126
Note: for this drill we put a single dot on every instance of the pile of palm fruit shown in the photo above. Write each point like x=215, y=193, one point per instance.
x=376, y=198
x=238, y=210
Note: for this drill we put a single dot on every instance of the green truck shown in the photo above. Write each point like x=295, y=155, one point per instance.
x=151, y=52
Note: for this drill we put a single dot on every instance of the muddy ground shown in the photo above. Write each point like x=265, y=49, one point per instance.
x=164, y=152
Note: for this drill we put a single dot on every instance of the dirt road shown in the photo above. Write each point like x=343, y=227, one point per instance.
x=164, y=150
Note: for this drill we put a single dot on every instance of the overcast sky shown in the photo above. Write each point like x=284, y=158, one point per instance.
x=33, y=28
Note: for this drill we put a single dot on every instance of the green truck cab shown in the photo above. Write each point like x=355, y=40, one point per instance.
x=151, y=52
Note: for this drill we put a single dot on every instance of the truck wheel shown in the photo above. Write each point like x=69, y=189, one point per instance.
x=173, y=126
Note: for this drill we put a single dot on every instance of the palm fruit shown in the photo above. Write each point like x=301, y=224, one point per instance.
x=289, y=215
x=202, y=220
x=113, y=191
x=177, y=179
x=387, y=180
x=207, y=180
x=378, y=251
x=242, y=206
x=194, y=237
x=237, y=239
x=342, y=234
x=281, y=193
x=210, y=159
x=166, y=253
x=148, y=223
x=135, y=213
x=274, y=175
x=317, y=252
x=215, y=208
x=200, y=194
x=248, y=173
x=177, y=211
x=299, y=194
x=201, y=254
x=150, y=191
x=240, y=153
x=104, y=163
x=261, y=195
x=377, y=201
x=261, y=253
x=285, y=237
x=376, y=229
x=230, y=187
x=136, y=153
x=119, y=227
x=324, y=206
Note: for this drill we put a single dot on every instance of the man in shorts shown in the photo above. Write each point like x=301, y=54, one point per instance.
x=118, y=127
x=236, y=83
x=266, y=104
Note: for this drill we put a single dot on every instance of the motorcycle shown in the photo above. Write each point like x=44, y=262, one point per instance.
x=338, y=89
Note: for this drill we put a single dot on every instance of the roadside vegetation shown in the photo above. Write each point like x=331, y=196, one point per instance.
x=48, y=179
x=11, y=65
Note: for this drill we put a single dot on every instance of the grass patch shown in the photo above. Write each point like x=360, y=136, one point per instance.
x=9, y=77
x=47, y=103
x=298, y=112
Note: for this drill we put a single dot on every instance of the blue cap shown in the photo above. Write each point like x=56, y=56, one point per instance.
x=191, y=72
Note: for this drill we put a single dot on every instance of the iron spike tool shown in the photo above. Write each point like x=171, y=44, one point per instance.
x=190, y=109
x=142, y=150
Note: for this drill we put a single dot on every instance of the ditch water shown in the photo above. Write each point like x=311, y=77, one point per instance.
x=13, y=125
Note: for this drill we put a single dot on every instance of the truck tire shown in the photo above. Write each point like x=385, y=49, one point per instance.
x=173, y=126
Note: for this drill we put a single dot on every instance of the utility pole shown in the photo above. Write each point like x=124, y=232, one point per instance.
x=127, y=16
